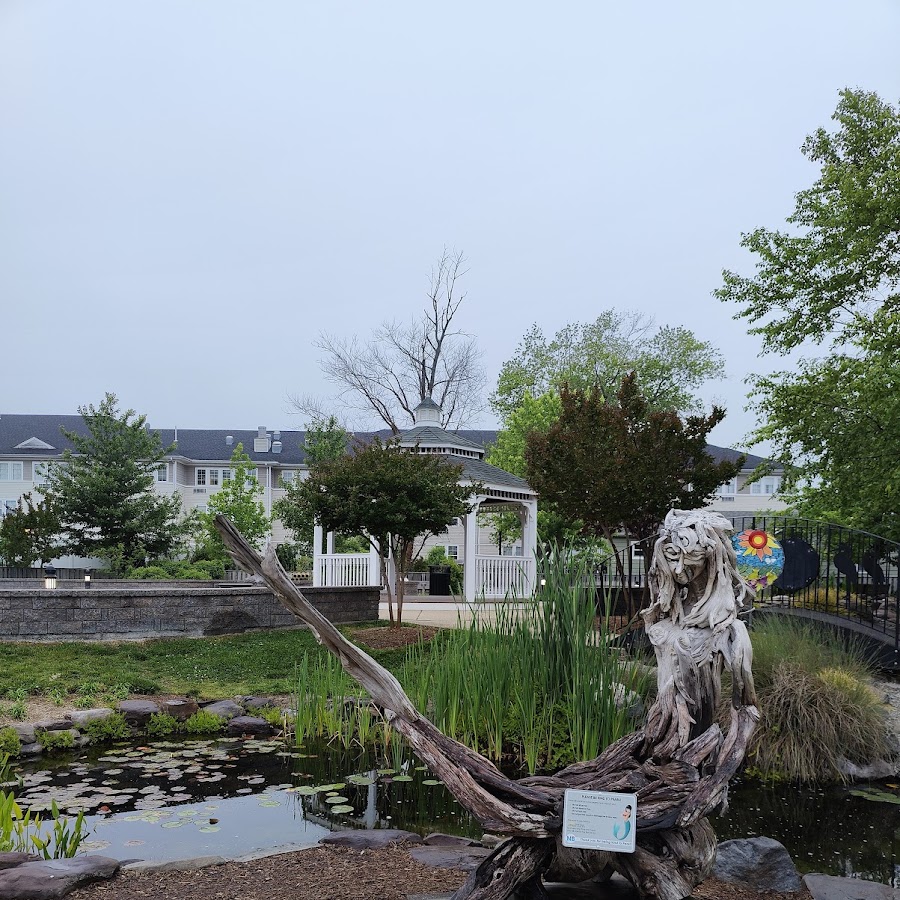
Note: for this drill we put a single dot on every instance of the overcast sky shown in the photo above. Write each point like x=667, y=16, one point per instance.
x=191, y=191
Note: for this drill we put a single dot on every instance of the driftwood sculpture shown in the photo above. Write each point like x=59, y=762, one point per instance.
x=679, y=764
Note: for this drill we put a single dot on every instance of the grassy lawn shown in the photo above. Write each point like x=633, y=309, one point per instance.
x=209, y=668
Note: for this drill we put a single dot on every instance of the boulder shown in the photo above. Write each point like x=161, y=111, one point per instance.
x=80, y=717
x=439, y=839
x=257, y=702
x=54, y=877
x=227, y=709
x=62, y=723
x=32, y=749
x=137, y=712
x=761, y=863
x=832, y=887
x=370, y=840
x=465, y=858
x=25, y=732
x=10, y=860
x=180, y=708
x=248, y=725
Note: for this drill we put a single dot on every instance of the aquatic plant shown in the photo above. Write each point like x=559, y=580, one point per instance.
x=22, y=832
x=161, y=724
x=56, y=741
x=112, y=728
x=203, y=722
x=10, y=745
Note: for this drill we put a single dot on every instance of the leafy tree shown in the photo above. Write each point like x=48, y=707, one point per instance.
x=394, y=495
x=670, y=363
x=621, y=466
x=386, y=378
x=29, y=533
x=325, y=440
x=239, y=500
x=828, y=287
x=103, y=490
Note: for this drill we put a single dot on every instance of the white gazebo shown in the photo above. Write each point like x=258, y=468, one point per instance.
x=485, y=576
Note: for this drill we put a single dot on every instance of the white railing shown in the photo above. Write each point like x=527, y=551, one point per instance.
x=344, y=570
x=503, y=576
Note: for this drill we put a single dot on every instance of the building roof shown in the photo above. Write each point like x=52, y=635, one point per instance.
x=208, y=444
x=479, y=470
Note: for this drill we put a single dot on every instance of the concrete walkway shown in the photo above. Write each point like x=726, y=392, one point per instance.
x=442, y=612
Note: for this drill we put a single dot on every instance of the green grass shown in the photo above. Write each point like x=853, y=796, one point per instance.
x=209, y=668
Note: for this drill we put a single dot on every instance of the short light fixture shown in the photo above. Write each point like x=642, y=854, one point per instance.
x=50, y=578
x=87, y=577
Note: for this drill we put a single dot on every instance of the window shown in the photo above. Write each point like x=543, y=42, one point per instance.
x=288, y=478
x=162, y=473
x=11, y=471
x=39, y=472
x=226, y=475
x=766, y=486
x=730, y=487
x=453, y=551
x=213, y=477
x=8, y=506
x=200, y=477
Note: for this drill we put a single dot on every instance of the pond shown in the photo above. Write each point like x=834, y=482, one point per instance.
x=228, y=797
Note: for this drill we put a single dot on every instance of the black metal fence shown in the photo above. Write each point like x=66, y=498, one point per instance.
x=833, y=571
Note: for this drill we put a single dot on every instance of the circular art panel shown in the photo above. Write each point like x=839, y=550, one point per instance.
x=760, y=558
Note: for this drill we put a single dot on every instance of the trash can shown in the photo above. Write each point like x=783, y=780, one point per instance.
x=439, y=581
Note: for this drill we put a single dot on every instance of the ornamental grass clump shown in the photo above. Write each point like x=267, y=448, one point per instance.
x=818, y=708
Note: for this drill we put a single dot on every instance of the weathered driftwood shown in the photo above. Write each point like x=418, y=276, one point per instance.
x=679, y=764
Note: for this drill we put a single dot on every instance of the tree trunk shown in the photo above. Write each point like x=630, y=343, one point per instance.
x=679, y=764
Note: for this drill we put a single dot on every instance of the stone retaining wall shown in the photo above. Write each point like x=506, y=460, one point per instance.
x=100, y=613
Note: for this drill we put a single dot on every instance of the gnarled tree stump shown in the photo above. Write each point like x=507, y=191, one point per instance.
x=679, y=764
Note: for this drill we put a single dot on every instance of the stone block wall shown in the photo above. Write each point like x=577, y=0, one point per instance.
x=36, y=614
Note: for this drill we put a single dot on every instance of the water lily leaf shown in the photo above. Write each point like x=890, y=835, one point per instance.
x=172, y=824
x=272, y=803
x=876, y=796
x=342, y=809
x=403, y=778
x=132, y=843
x=331, y=787
x=338, y=800
x=386, y=771
x=209, y=829
x=429, y=781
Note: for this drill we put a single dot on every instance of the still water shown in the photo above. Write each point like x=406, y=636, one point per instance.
x=168, y=800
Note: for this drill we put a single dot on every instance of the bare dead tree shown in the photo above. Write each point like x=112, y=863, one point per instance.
x=387, y=377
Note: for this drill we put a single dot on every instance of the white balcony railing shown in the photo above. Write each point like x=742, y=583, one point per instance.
x=503, y=576
x=344, y=570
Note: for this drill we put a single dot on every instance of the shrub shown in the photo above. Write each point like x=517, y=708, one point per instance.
x=56, y=741
x=149, y=573
x=10, y=745
x=112, y=728
x=214, y=568
x=162, y=724
x=203, y=722
x=817, y=707
x=437, y=556
x=272, y=715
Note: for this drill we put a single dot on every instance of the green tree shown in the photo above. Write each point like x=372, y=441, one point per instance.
x=828, y=289
x=239, y=500
x=29, y=533
x=621, y=466
x=325, y=440
x=670, y=363
x=394, y=495
x=102, y=490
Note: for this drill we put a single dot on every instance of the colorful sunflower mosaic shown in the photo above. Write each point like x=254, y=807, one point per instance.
x=760, y=558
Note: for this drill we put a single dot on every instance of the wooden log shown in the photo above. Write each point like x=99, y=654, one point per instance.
x=679, y=764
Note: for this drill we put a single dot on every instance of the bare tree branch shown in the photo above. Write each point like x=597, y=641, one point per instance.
x=386, y=378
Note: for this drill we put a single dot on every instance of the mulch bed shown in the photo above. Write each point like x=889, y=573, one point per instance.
x=331, y=873
x=392, y=638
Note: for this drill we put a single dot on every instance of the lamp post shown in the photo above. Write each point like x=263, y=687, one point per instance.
x=87, y=577
x=50, y=577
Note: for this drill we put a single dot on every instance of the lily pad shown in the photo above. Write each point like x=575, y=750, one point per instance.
x=272, y=803
x=336, y=800
x=876, y=796
x=209, y=829
x=403, y=778
x=342, y=809
x=429, y=781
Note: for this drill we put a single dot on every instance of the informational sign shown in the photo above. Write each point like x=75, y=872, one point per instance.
x=599, y=820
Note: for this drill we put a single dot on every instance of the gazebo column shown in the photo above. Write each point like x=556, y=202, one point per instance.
x=529, y=543
x=329, y=542
x=374, y=564
x=470, y=587
x=317, y=553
